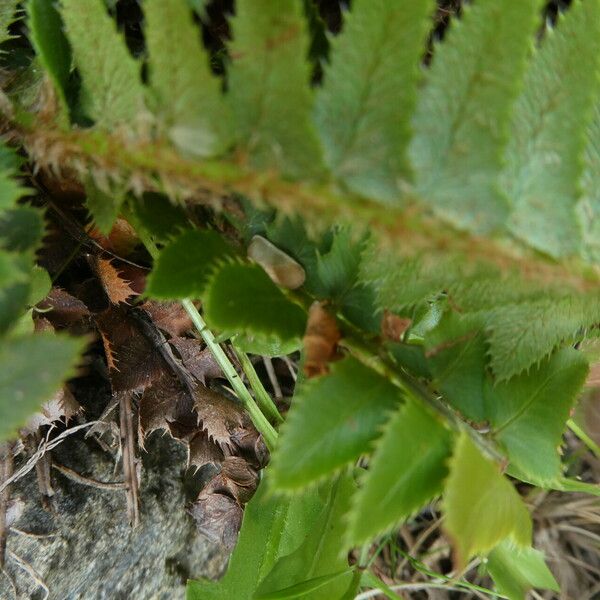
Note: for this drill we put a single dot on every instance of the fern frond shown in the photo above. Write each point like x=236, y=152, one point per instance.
x=523, y=334
x=364, y=107
x=529, y=413
x=189, y=102
x=462, y=121
x=589, y=204
x=113, y=91
x=545, y=153
x=8, y=8
x=51, y=46
x=269, y=87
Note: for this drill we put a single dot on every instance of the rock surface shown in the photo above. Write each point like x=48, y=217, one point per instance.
x=85, y=548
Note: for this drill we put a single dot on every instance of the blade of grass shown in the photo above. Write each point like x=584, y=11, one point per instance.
x=263, y=399
x=258, y=418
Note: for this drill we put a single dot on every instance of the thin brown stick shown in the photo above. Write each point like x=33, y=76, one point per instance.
x=101, y=485
x=45, y=446
x=6, y=470
x=129, y=466
x=42, y=470
x=23, y=564
x=155, y=336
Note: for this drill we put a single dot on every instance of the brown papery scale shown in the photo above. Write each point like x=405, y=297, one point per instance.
x=394, y=327
x=320, y=340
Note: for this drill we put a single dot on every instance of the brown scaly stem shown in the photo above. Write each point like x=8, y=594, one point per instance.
x=150, y=165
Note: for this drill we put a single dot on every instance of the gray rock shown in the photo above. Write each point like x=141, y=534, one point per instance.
x=85, y=547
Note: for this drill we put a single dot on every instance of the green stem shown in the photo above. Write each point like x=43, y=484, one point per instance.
x=258, y=418
x=263, y=399
x=260, y=421
x=584, y=437
x=413, y=388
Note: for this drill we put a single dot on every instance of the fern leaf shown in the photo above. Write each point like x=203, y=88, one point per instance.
x=516, y=570
x=269, y=87
x=8, y=8
x=10, y=189
x=456, y=355
x=545, y=155
x=521, y=335
x=332, y=422
x=111, y=77
x=241, y=298
x=159, y=216
x=51, y=46
x=184, y=266
x=53, y=359
x=529, y=412
x=407, y=470
x=461, y=125
x=103, y=205
x=363, y=110
x=403, y=284
x=481, y=506
x=589, y=204
x=22, y=229
x=189, y=101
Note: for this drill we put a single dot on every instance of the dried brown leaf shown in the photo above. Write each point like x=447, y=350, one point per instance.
x=61, y=407
x=218, y=415
x=134, y=363
x=111, y=359
x=320, y=340
x=163, y=404
x=393, y=327
x=171, y=317
x=203, y=451
x=240, y=472
x=219, y=518
x=121, y=240
x=221, y=484
x=199, y=361
x=63, y=309
x=42, y=324
x=249, y=444
x=116, y=287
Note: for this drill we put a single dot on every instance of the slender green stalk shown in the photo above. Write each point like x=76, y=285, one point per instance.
x=260, y=421
x=413, y=388
x=258, y=418
x=263, y=399
x=584, y=437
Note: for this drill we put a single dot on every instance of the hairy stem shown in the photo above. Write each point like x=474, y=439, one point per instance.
x=209, y=180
